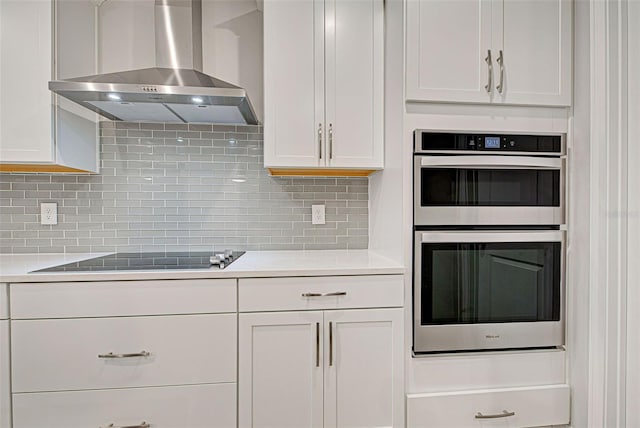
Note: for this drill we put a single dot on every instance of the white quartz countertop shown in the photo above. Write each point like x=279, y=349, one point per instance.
x=17, y=267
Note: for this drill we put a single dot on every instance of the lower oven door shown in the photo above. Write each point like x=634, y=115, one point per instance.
x=476, y=290
x=488, y=190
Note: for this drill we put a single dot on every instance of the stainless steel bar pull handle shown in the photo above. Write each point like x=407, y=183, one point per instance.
x=320, y=139
x=504, y=414
x=335, y=293
x=331, y=141
x=134, y=355
x=143, y=424
x=330, y=343
x=487, y=87
x=317, y=344
x=500, y=61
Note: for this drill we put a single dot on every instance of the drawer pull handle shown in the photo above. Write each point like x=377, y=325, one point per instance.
x=500, y=61
x=320, y=140
x=141, y=425
x=331, y=141
x=330, y=343
x=335, y=293
x=137, y=354
x=504, y=414
x=487, y=87
x=317, y=344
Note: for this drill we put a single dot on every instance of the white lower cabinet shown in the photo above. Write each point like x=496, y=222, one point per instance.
x=177, y=354
x=5, y=395
x=506, y=407
x=321, y=368
x=98, y=353
x=4, y=302
x=136, y=354
x=281, y=369
x=192, y=406
x=364, y=373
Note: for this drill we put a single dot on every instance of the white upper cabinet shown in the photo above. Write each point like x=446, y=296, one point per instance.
x=489, y=51
x=41, y=41
x=323, y=85
x=447, y=42
x=536, y=45
x=294, y=82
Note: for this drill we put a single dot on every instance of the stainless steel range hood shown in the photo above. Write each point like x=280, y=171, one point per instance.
x=174, y=91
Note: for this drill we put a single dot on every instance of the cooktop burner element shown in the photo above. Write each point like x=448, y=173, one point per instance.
x=151, y=261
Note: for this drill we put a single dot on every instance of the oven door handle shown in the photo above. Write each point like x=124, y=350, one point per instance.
x=491, y=162
x=491, y=236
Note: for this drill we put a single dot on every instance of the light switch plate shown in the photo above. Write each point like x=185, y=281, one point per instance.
x=317, y=214
x=48, y=213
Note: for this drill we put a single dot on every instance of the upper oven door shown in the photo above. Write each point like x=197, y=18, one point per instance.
x=488, y=190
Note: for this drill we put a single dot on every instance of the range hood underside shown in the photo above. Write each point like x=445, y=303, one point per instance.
x=169, y=97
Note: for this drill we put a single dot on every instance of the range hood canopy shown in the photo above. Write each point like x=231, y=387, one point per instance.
x=174, y=91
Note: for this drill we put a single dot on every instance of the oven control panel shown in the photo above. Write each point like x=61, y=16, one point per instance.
x=429, y=141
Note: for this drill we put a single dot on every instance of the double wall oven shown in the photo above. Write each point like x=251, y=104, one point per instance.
x=488, y=246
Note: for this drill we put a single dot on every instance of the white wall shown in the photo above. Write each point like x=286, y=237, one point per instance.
x=126, y=40
x=232, y=46
x=614, y=180
x=388, y=225
x=578, y=239
x=633, y=295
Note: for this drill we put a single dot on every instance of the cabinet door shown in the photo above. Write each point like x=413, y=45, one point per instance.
x=354, y=83
x=364, y=366
x=447, y=43
x=5, y=394
x=293, y=83
x=280, y=370
x=535, y=37
x=25, y=69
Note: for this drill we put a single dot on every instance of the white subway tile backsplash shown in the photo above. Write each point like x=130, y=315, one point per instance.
x=177, y=187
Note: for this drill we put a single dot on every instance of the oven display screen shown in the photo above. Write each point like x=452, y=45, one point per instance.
x=492, y=142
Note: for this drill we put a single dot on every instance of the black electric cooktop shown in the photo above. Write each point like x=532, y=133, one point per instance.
x=150, y=261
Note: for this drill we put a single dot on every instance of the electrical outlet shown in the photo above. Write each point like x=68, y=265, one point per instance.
x=48, y=213
x=317, y=214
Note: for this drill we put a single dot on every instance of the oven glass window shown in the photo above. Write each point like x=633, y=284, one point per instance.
x=490, y=282
x=489, y=187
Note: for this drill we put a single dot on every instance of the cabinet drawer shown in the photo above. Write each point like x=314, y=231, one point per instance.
x=287, y=294
x=532, y=406
x=122, y=298
x=4, y=299
x=57, y=355
x=195, y=406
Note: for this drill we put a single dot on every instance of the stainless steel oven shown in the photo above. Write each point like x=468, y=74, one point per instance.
x=487, y=289
x=488, y=249
x=488, y=179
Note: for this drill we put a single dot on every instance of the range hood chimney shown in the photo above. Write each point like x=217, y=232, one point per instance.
x=175, y=90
